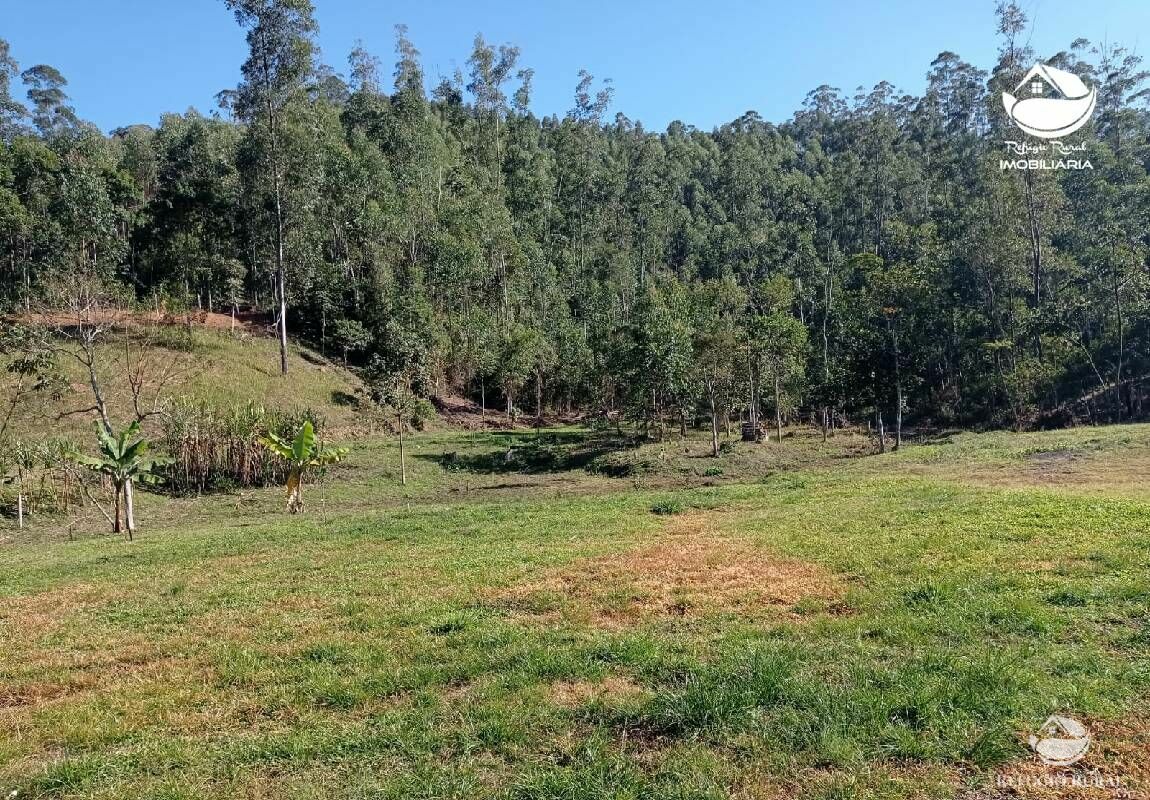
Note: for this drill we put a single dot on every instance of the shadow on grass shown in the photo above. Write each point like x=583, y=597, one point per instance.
x=539, y=452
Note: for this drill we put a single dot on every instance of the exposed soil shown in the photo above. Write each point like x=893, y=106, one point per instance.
x=465, y=413
x=251, y=322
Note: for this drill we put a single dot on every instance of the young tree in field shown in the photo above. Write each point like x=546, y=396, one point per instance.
x=304, y=454
x=280, y=62
x=398, y=386
x=124, y=459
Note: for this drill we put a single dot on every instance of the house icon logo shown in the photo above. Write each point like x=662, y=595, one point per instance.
x=1061, y=741
x=1050, y=103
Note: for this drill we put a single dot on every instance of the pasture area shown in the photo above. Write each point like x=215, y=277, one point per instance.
x=569, y=614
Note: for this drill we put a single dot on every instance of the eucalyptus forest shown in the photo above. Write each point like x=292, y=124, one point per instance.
x=867, y=259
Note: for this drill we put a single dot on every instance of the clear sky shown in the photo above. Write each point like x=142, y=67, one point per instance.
x=128, y=61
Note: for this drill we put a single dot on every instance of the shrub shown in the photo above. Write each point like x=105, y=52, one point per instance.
x=671, y=506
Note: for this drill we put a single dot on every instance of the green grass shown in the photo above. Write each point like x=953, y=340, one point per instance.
x=378, y=646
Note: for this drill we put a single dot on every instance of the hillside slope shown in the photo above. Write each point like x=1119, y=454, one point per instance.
x=217, y=367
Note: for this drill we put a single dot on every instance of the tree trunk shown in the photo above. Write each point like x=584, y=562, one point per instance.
x=116, y=526
x=881, y=431
x=129, y=509
x=897, y=390
x=402, y=459
x=539, y=396
x=898, y=420
x=778, y=411
x=482, y=399
x=281, y=290
x=281, y=269
x=714, y=422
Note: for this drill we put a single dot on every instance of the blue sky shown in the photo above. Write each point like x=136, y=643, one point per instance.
x=128, y=61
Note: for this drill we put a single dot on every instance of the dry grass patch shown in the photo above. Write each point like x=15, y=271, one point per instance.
x=28, y=616
x=1122, y=473
x=1117, y=767
x=611, y=689
x=691, y=570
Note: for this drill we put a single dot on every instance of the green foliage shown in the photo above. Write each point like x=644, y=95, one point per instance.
x=304, y=455
x=215, y=448
x=533, y=625
x=865, y=256
x=124, y=459
x=671, y=506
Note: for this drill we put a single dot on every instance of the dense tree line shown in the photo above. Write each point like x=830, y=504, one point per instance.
x=868, y=258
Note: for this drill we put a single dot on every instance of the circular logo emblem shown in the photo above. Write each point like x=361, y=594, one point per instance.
x=1061, y=741
x=1050, y=103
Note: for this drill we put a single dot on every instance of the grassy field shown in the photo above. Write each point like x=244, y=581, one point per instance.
x=567, y=615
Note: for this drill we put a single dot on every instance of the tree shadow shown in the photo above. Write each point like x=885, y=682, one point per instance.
x=533, y=453
x=342, y=398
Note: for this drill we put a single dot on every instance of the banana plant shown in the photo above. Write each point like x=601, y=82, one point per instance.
x=123, y=458
x=303, y=455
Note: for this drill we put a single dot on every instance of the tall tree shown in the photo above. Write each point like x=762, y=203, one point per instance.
x=281, y=60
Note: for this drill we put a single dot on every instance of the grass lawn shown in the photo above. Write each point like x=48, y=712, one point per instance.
x=565, y=615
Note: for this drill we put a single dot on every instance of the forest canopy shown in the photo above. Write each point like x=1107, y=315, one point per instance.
x=869, y=256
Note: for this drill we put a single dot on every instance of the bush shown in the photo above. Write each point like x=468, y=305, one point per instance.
x=671, y=506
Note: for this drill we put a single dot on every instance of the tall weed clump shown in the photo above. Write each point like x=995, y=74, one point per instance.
x=217, y=449
x=37, y=477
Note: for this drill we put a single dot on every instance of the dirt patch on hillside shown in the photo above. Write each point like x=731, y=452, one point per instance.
x=249, y=321
x=691, y=570
x=465, y=413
